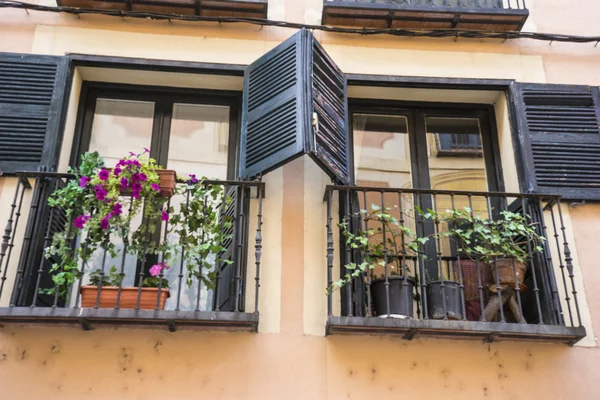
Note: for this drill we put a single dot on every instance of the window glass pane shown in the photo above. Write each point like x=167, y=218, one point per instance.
x=455, y=154
x=199, y=140
x=381, y=151
x=121, y=126
x=198, y=144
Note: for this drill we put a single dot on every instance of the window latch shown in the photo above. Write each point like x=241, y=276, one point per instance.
x=315, y=124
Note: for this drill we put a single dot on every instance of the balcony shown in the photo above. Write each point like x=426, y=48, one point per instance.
x=434, y=263
x=480, y=15
x=203, y=8
x=110, y=286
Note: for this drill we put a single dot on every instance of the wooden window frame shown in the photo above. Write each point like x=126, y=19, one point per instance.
x=416, y=112
x=163, y=98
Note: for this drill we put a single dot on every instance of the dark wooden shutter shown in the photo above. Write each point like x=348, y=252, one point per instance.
x=331, y=146
x=32, y=97
x=559, y=139
x=295, y=103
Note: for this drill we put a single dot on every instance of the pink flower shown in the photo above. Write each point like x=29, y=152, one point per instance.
x=192, y=179
x=83, y=181
x=155, y=186
x=158, y=268
x=165, y=216
x=103, y=174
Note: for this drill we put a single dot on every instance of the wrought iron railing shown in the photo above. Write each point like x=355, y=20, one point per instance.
x=230, y=297
x=394, y=263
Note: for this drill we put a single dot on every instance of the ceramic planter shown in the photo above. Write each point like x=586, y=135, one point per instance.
x=168, y=180
x=128, y=299
x=506, y=273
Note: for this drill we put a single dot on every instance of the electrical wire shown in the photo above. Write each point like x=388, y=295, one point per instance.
x=416, y=33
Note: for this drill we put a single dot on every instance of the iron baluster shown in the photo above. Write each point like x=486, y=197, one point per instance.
x=561, y=266
x=536, y=289
x=569, y=262
x=258, y=245
x=8, y=237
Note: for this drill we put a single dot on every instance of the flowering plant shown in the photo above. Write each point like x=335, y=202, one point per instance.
x=102, y=202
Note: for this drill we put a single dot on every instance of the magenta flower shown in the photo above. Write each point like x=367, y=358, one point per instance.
x=103, y=174
x=117, y=171
x=104, y=223
x=131, y=153
x=83, y=181
x=136, y=163
x=165, y=216
x=192, y=179
x=100, y=192
x=146, y=150
x=120, y=163
x=124, y=183
x=80, y=221
x=136, y=187
x=117, y=209
x=155, y=186
x=142, y=177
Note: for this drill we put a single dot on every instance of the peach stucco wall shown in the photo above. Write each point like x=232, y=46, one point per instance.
x=291, y=358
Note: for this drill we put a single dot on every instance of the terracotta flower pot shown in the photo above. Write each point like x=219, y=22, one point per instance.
x=168, y=180
x=506, y=272
x=128, y=299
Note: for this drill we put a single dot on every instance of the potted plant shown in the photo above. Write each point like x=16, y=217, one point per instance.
x=153, y=287
x=392, y=258
x=506, y=244
x=102, y=203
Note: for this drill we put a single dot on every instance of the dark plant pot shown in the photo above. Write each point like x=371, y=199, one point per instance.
x=435, y=300
x=401, y=296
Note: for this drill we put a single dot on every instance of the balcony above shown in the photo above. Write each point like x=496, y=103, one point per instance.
x=481, y=15
x=204, y=8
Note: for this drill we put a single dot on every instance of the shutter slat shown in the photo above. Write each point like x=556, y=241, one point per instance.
x=562, y=131
x=32, y=89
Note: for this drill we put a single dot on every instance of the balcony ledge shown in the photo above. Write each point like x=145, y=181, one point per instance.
x=486, y=331
x=88, y=318
x=365, y=14
x=203, y=8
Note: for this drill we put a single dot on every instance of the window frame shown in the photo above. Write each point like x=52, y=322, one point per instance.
x=416, y=113
x=163, y=97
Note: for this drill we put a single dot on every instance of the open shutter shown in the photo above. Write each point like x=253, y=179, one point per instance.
x=32, y=93
x=295, y=103
x=559, y=139
x=331, y=147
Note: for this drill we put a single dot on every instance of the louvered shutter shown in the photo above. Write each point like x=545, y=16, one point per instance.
x=559, y=139
x=32, y=93
x=295, y=103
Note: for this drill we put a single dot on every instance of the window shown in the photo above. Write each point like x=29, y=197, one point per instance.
x=192, y=132
x=427, y=148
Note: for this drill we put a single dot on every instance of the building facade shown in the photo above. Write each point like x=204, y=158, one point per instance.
x=339, y=137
